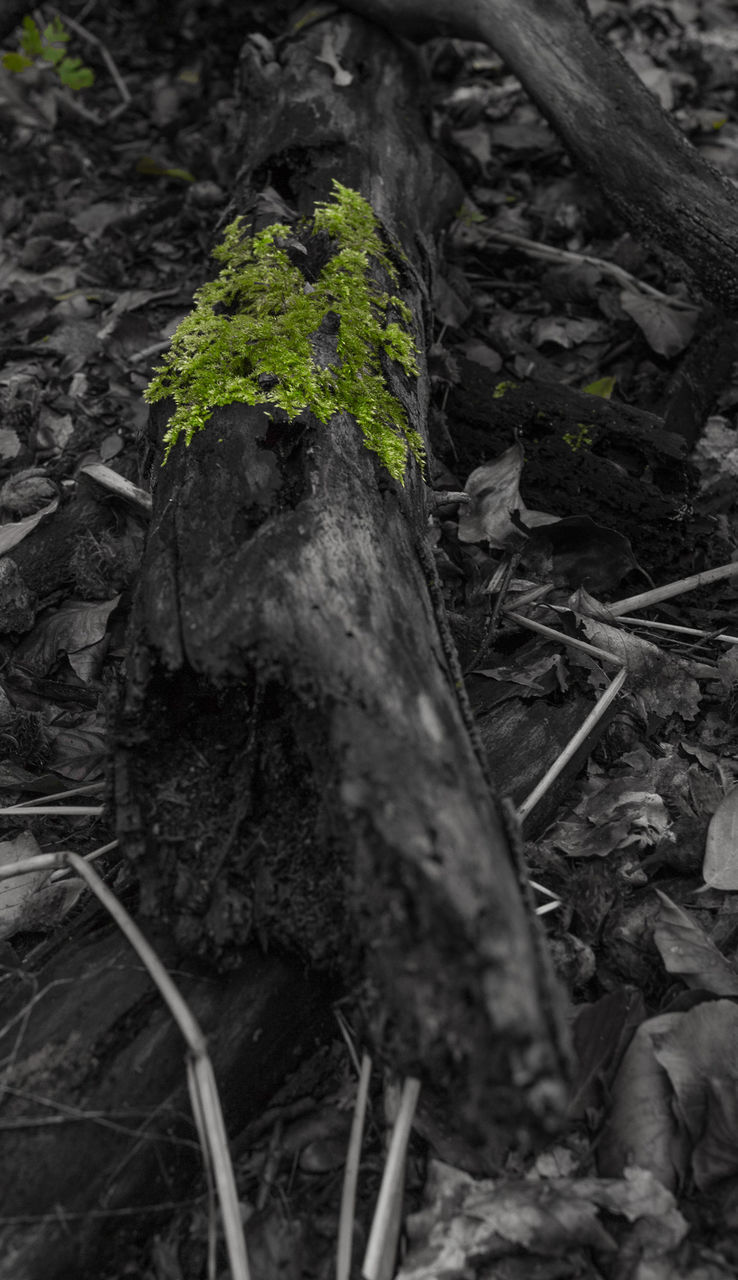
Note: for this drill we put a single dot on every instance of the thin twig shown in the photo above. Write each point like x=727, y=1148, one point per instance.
x=571, y=748
x=672, y=589
x=552, y=634
x=343, y=1027
x=679, y=631
x=536, y=249
x=351, y=1174
x=84, y=34
x=382, y=1245
x=547, y=908
x=49, y=861
x=53, y=811
x=492, y=621
x=92, y=856
x=90, y=788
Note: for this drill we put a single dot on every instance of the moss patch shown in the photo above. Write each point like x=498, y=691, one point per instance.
x=252, y=334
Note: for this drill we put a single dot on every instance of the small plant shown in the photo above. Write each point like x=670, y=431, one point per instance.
x=49, y=45
x=581, y=439
x=250, y=336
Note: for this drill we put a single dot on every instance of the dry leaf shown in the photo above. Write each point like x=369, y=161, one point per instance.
x=689, y=954
x=720, y=867
x=27, y=901
x=493, y=493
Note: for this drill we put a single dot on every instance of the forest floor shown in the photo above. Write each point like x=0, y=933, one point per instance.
x=114, y=196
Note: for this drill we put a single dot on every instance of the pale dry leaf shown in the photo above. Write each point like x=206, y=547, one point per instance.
x=641, y=1129
x=494, y=492
x=720, y=865
x=13, y=533
x=28, y=903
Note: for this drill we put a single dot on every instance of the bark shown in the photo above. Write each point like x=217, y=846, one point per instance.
x=611, y=125
x=635, y=477
x=291, y=662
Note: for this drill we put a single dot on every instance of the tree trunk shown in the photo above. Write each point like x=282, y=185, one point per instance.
x=610, y=123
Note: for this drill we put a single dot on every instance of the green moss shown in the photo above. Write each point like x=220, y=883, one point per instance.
x=250, y=335
x=582, y=438
x=502, y=389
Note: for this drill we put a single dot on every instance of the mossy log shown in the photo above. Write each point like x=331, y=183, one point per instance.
x=295, y=753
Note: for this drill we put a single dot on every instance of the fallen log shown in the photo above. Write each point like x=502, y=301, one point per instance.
x=290, y=661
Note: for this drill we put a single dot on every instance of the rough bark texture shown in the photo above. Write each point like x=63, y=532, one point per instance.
x=294, y=758
x=611, y=125
x=633, y=475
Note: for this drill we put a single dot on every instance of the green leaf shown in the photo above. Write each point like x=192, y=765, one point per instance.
x=51, y=54
x=30, y=40
x=75, y=78
x=56, y=32
x=16, y=62
x=147, y=165
x=603, y=387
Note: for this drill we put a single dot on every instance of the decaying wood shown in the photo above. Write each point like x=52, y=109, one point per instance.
x=610, y=123
x=289, y=665
x=632, y=475
x=705, y=370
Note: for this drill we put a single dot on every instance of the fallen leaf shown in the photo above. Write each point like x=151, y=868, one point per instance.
x=640, y=1129
x=10, y=445
x=12, y=534
x=666, y=330
x=28, y=903
x=480, y=353
x=720, y=867
x=689, y=954
x=699, y=1052
x=79, y=746
x=664, y=682
x=565, y=332
x=603, y=387
x=466, y=1225
x=601, y=1033
x=67, y=630
x=493, y=492
x=612, y=815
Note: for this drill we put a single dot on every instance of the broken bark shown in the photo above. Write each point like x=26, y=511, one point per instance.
x=610, y=123
x=292, y=665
